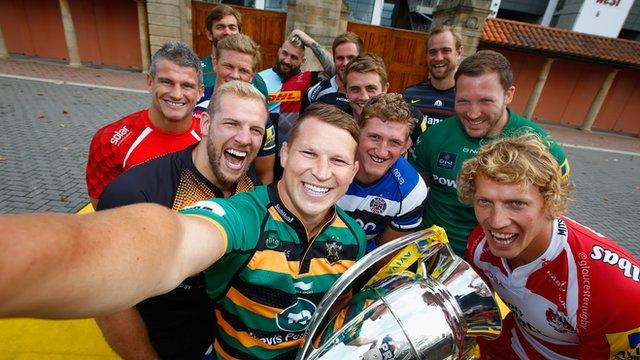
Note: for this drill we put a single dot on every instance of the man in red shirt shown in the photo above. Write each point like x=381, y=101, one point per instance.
x=175, y=84
x=572, y=292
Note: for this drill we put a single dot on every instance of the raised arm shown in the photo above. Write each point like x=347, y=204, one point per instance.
x=323, y=56
x=70, y=266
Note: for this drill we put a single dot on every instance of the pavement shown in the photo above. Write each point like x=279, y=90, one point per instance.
x=49, y=112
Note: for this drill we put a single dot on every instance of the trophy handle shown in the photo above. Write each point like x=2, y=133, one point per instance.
x=347, y=278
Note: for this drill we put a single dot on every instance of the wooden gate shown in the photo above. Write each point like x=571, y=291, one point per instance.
x=265, y=27
x=106, y=30
x=404, y=52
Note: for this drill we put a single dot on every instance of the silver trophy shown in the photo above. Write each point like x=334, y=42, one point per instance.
x=435, y=315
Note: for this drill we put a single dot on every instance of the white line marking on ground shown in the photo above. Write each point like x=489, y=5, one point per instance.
x=601, y=149
x=61, y=82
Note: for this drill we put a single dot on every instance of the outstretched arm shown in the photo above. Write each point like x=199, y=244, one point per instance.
x=70, y=266
x=323, y=56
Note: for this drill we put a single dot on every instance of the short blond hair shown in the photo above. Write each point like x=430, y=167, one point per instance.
x=524, y=160
x=388, y=107
x=242, y=44
x=237, y=88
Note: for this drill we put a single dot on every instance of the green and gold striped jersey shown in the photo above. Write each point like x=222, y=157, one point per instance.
x=272, y=276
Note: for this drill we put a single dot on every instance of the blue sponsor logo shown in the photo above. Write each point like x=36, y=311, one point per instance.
x=446, y=160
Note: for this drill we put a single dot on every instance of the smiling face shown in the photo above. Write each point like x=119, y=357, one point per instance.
x=290, y=59
x=174, y=92
x=226, y=26
x=481, y=104
x=233, y=137
x=381, y=144
x=442, y=55
x=233, y=65
x=514, y=220
x=343, y=54
x=317, y=170
x=361, y=87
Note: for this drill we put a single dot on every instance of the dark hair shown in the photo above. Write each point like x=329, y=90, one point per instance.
x=179, y=54
x=221, y=11
x=487, y=62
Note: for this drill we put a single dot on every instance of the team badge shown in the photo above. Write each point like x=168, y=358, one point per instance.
x=558, y=322
x=333, y=250
x=378, y=205
x=438, y=103
x=446, y=160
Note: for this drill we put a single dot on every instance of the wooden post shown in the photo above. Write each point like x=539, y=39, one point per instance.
x=4, y=54
x=537, y=90
x=70, y=34
x=143, y=31
x=598, y=101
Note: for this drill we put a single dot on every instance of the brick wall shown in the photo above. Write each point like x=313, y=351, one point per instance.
x=168, y=20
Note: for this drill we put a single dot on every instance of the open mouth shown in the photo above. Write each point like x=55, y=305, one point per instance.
x=503, y=238
x=315, y=190
x=234, y=158
x=376, y=159
x=174, y=104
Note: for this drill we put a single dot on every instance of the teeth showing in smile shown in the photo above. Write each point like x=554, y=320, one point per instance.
x=173, y=103
x=377, y=159
x=316, y=189
x=503, y=238
x=237, y=153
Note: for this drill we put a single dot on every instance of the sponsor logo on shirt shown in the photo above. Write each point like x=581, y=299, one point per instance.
x=415, y=101
x=446, y=160
x=297, y=316
x=208, y=205
x=377, y=205
x=271, y=242
x=119, y=135
x=612, y=258
x=624, y=345
x=398, y=176
x=437, y=103
x=444, y=181
x=431, y=120
x=584, y=272
x=285, y=96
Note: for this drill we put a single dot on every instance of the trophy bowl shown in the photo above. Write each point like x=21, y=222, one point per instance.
x=434, y=315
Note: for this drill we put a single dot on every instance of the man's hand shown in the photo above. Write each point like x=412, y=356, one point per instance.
x=306, y=39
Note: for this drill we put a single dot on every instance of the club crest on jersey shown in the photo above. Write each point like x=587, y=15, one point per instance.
x=438, y=103
x=624, y=345
x=446, y=160
x=558, y=321
x=377, y=205
x=333, y=250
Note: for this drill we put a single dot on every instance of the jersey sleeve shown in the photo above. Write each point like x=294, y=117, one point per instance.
x=120, y=192
x=102, y=164
x=563, y=162
x=420, y=125
x=268, y=139
x=238, y=223
x=412, y=208
x=608, y=319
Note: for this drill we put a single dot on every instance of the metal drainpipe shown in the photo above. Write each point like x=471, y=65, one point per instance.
x=537, y=90
x=598, y=101
x=70, y=34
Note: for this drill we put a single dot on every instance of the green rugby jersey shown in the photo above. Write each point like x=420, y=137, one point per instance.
x=272, y=276
x=438, y=156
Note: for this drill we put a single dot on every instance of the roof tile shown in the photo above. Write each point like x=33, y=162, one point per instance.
x=522, y=35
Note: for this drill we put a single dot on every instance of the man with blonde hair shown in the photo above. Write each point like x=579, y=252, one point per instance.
x=179, y=324
x=237, y=57
x=484, y=90
x=270, y=254
x=387, y=195
x=572, y=292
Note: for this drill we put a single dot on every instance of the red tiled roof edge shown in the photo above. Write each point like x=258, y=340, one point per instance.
x=560, y=42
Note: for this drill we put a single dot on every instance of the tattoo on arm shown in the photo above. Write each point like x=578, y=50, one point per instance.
x=324, y=58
